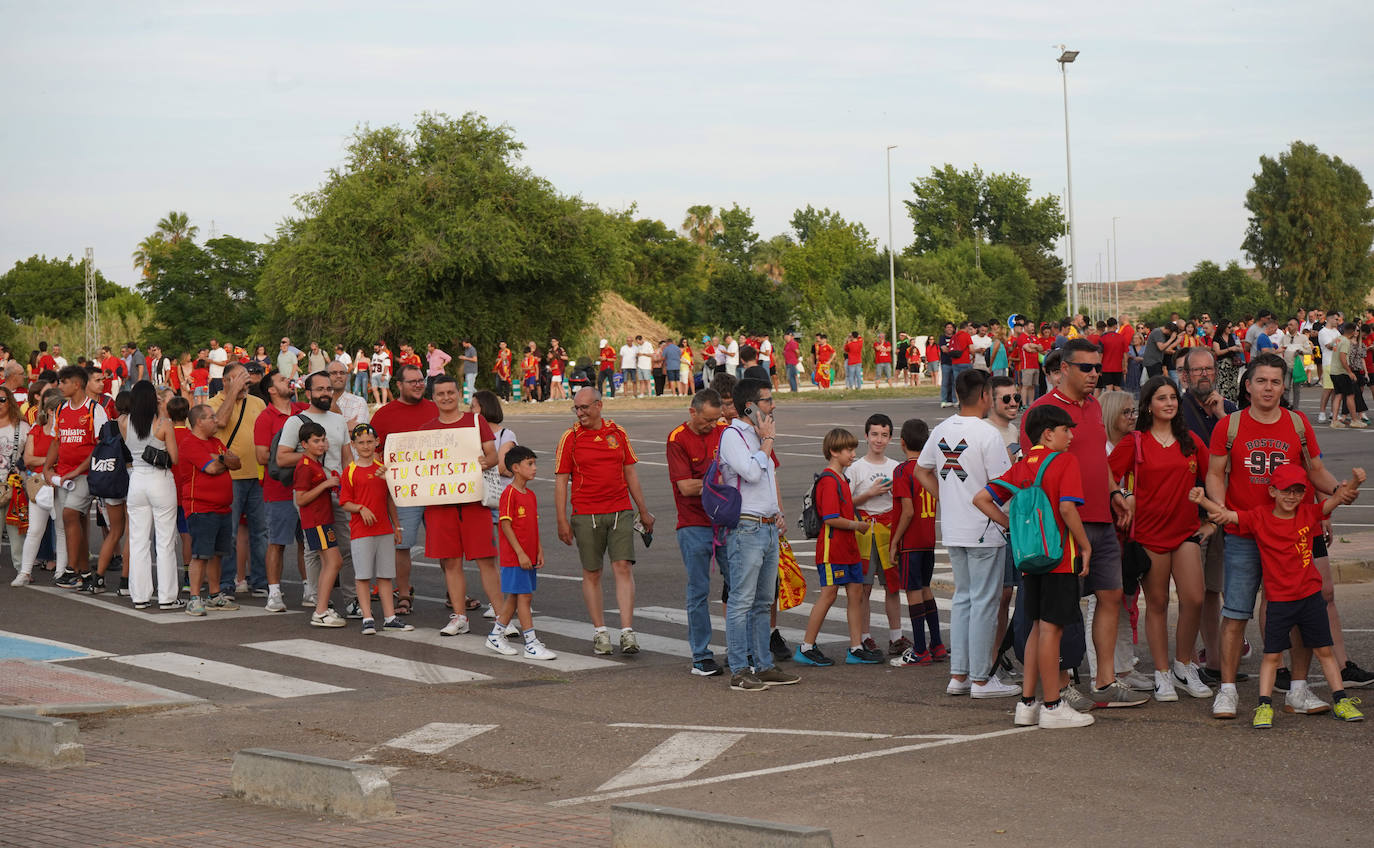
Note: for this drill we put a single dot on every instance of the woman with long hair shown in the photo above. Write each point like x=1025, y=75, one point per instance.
x=1167, y=460
x=261, y=357
x=152, y=501
x=116, y=522
x=1228, y=351
x=997, y=355
x=14, y=431
x=1190, y=337
x=40, y=438
x=184, y=369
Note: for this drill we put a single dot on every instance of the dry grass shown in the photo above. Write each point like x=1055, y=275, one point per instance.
x=615, y=319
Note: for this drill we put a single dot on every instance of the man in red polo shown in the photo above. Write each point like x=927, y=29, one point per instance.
x=596, y=462
x=691, y=447
x=1115, y=346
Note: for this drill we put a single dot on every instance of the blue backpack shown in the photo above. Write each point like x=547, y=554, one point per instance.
x=109, y=473
x=1036, y=544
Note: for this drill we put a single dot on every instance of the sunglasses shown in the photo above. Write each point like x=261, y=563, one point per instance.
x=1087, y=367
x=1009, y=399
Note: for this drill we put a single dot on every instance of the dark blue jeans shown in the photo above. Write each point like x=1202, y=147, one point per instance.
x=247, y=502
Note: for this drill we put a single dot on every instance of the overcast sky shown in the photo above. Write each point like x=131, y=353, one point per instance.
x=115, y=113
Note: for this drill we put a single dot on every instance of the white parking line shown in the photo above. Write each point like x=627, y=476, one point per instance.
x=367, y=661
x=783, y=731
x=675, y=757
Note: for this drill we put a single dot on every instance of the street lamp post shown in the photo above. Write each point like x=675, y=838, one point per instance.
x=891, y=256
x=1116, y=266
x=1065, y=58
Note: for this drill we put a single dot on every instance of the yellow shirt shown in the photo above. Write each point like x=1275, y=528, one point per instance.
x=242, y=446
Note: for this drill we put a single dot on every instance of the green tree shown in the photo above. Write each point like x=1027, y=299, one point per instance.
x=701, y=224
x=736, y=241
x=436, y=232
x=145, y=255
x=1000, y=287
x=176, y=228
x=52, y=288
x=198, y=293
x=831, y=255
x=1311, y=227
x=666, y=275
x=744, y=299
x=1226, y=293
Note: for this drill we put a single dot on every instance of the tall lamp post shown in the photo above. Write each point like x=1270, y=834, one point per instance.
x=1116, y=266
x=1065, y=58
x=891, y=256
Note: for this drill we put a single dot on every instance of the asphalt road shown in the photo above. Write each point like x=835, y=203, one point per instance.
x=880, y=755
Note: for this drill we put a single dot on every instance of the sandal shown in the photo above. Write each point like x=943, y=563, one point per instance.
x=403, y=606
x=472, y=603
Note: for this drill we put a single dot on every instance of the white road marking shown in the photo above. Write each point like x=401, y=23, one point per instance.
x=437, y=736
x=367, y=661
x=765, y=772
x=474, y=643
x=226, y=674
x=781, y=731
x=673, y=615
x=123, y=607
x=647, y=641
x=676, y=757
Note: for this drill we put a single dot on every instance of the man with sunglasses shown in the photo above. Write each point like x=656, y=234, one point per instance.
x=1080, y=368
x=1006, y=405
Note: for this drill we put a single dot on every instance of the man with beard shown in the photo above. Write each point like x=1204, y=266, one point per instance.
x=410, y=411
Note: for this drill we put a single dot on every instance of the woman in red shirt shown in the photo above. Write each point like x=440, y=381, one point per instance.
x=1167, y=461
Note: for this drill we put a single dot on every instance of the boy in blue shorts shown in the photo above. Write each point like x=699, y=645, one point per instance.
x=1050, y=599
x=837, y=555
x=913, y=550
x=312, y=485
x=1284, y=533
x=521, y=557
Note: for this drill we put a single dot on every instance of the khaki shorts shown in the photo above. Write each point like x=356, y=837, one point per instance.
x=1212, y=549
x=78, y=499
x=608, y=533
x=1029, y=376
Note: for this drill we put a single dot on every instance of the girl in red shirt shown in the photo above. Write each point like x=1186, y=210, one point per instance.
x=1167, y=461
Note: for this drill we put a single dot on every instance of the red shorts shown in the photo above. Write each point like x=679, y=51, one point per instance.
x=459, y=531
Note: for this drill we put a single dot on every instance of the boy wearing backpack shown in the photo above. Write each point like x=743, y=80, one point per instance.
x=913, y=550
x=1052, y=557
x=837, y=554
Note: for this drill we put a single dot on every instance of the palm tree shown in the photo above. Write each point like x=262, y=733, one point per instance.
x=147, y=253
x=701, y=225
x=771, y=256
x=175, y=227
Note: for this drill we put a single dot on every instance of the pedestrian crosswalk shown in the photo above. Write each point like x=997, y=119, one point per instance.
x=229, y=675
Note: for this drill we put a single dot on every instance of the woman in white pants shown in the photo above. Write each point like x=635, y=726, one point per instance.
x=152, y=500
x=40, y=508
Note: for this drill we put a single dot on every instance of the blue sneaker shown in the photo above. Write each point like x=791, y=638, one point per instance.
x=864, y=656
x=812, y=656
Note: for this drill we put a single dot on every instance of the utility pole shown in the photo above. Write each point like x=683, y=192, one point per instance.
x=1065, y=58
x=92, y=306
x=1116, y=264
x=891, y=256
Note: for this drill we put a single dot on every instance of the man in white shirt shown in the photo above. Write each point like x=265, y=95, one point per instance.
x=341, y=355
x=381, y=373
x=870, y=483
x=159, y=366
x=1327, y=338
x=629, y=371
x=644, y=364
x=980, y=347
x=352, y=407
x=963, y=453
x=732, y=356
x=58, y=357
x=751, y=547
x=218, y=358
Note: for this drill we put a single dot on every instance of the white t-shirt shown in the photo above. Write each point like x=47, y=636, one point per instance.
x=218, y=358
x=61, y=362
x=864, y=475
x=1327, y=337
x=628, y=356
x=345, y=359
x=12, y=437
x=644, y=361
x=353, y=407
x=981, y=345
x=335, y=430
x=732, y=355
x=381, y=364
x=965, y=453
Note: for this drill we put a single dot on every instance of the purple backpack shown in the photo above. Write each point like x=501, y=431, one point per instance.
x=720, y=502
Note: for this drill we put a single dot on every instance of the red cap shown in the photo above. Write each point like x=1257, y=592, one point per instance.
x=1288, y=475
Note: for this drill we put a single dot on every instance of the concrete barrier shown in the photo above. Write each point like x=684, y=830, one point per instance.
x=650, y=826
x=34, y=740
x=299, y=782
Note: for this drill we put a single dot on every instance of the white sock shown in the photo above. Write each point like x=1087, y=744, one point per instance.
x=806, y=646
x=866, y=636
x=894, y=635
x=274, y=589
x=530, y=637
x=1229, y=687
x=498, y=629
x=627, y=630
x=601, y=629
x=1297, y=686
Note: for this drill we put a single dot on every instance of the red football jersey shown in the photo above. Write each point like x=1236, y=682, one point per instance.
x=521, y=509
x=1285, y=546
x=920, y=533
x=1163, y=516
x=1257, y=450
x=834, y=500
x=365, y=485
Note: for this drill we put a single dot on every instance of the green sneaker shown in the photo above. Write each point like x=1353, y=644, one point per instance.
x=1264, y=716
x=1345, y=710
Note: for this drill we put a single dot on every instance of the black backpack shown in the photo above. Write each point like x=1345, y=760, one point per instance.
x=285, y=475
x=810, y=521
x=109, y=473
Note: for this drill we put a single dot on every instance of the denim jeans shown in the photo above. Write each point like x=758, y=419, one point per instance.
x=752, y=551
x=792, y=377
x=946, y=383
x=247, y=502
x=854, y=376
x=360, y=383
x=973, y=615
x=954, y=372
x=695, y=544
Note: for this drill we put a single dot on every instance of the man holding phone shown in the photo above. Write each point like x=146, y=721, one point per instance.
x=751, y=547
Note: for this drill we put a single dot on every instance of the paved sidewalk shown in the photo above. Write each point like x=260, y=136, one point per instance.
x=1352, y=558
x=131, y=796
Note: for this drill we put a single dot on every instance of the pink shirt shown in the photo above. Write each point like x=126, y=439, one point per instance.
x=437, y=360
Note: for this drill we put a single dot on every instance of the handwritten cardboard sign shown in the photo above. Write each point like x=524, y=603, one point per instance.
x=434, y=466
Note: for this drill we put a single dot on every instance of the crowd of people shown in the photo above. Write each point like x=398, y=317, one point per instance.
x=1170, y=457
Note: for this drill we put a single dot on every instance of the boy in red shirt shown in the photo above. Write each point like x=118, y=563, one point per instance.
x=312, y=484
x=1284, y=531
x=837, y=554
x=209, y=496
x=913, y=550
x=521, y=556
x=372, y=529
x=1050, y=599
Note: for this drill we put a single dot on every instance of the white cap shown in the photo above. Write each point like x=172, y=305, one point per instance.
x=603, y=343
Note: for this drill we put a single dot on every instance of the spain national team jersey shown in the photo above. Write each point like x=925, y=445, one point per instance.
x=596, y=459
x=365, y=485
x=920, y=533
x=521, y=509
x=834, y=500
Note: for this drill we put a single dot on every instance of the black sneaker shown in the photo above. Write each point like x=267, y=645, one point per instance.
x=69, y=580
x=1210, y=676
x=706, y=668
x=864, y=656
x=778, y=646
x=95, y=584
x=1283, y=680
x=354, y=610
x=123, y=590
x=1354, y=677
x=745, y=681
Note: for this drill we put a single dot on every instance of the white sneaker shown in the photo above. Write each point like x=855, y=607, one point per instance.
x=993, y=688
x=1321, y=418
x=1137, y=682
x=1164, y=687
x=241, y=587
x=1304, y=702
x=308, y=601
x=958, y=687
x=1187, y=677
x=22, y=579
x=489, y=612
x=275, y=603
x=456, y=624
x=1063, y=716
x=500, y=646
x=1027, y=715
x=512, y=630
x=1225, y=704
x=328, y=618
x=536, y=651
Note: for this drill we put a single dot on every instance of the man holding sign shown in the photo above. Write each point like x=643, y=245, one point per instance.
x=461, y=528
x=596, y=460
